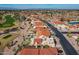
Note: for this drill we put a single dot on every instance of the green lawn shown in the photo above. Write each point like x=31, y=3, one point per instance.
x=8, y=23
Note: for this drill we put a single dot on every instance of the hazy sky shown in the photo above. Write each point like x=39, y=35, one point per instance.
x=54, y=6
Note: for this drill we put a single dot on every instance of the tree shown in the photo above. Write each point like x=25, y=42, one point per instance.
x=46, y=46
x=77, y=40
x=62, y=19
x=17, y=16
x=69, y=34
x=77, y=19
x=0, y=43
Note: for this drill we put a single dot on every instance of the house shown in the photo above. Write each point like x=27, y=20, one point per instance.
x=73, y=28
x=28, y=51
x=42, y=31
x=57, y=22
x=47, y=41
x=38, y=23
x=37, y=41
x=34, y=51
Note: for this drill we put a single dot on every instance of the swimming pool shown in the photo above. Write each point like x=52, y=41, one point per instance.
x=74, y=22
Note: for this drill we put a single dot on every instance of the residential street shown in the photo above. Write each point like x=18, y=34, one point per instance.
x=68, y=48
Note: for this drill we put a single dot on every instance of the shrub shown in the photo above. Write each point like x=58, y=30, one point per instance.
x=46, y=46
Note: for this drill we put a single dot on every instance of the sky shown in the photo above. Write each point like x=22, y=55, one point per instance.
x=53, y=6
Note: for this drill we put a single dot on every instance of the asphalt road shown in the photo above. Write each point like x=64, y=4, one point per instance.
x=68, y=48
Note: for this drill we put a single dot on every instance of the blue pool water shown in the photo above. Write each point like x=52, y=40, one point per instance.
x=74, y=22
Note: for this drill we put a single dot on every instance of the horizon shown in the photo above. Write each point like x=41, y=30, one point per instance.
x=40, y=6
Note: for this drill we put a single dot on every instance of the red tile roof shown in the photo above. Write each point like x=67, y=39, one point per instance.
x=57, y=22
x=38, y=40
x=32, y=51
x=42, y=31
x=28, y=51
x=49, y=51
x=72, y=27
x=77, y=25
x=38, y=24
